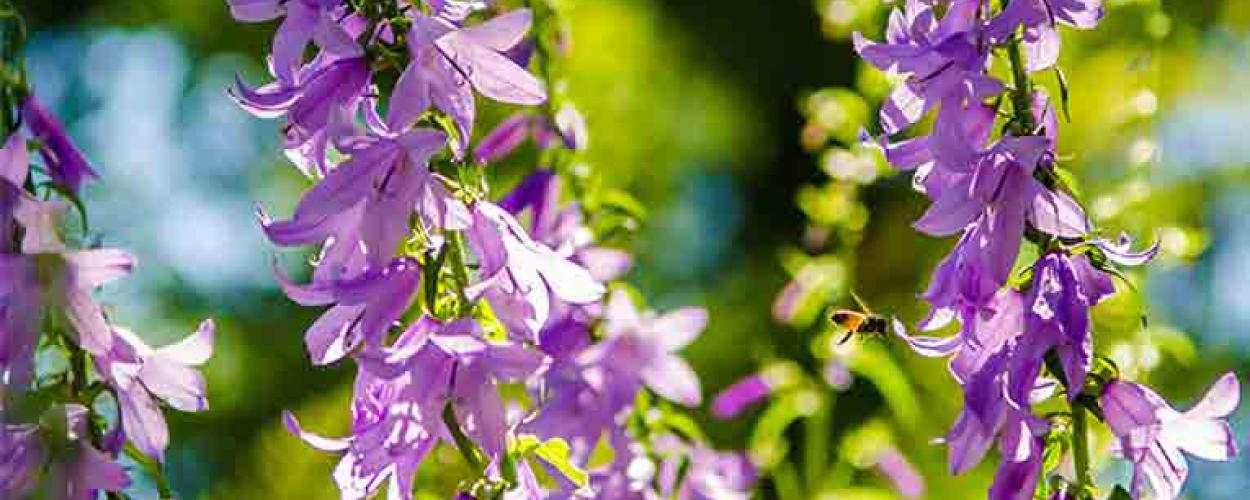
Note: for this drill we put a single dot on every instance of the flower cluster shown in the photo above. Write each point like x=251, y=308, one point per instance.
x=448, y=302
x=1023, y=331
x=76, y=390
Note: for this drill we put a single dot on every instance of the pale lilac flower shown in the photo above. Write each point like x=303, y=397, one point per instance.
x=361, y=209
x=305, y=21
x=519, y=276
x=49, y=276
x=365, y=308
x=568, y=131
x=717, y=475
x=993, y=200
x=401, y=392
x=1152, y=434
x=1040, y=18
x=449, y=61
x=21, y=455
x=561, y=227
x=138, y=372
x=643, y=347
x=1064, y=289
x=318, y=101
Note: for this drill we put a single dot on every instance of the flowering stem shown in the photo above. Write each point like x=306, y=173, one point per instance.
x=1080, y=448
x=463, y=443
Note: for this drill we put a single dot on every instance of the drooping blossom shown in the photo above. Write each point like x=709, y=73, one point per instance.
x=643, y=347
x=519, y=276
x=65, y=164
x=561, y=227
x=1152, y=434
x=1039, y=19
x=449, y=62
x=361, y=209
x=400, y=396
x=139, y=374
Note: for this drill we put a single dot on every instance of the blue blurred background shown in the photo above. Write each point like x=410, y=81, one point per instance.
x=694, y=106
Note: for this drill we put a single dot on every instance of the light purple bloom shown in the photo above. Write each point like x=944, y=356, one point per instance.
x=305, y=21
x=717, y=475
x=993, y=199
x=1152, y=434
x=568, y=131
x=138, y=372
x=519, y=276
x=361, y=209
x=1040, y=18
x=318, y=102
x=365, y=307
x=644, y=347
x=449, y=61
x=561, y=228
x=906, y=480
x=1065, y=287
x=400, y=395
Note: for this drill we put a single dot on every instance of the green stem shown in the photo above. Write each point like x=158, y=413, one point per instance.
x=816, y=444
x=463, y=443
x=1080, y=448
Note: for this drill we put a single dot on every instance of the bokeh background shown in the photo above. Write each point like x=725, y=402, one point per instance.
x=696, y=107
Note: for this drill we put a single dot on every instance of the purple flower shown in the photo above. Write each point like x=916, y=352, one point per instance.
x=138, y=372
x=643, y=347
x=364, y=308
x=561, y=228
x=63, y=280
x=361, y=209
x=65, y=163
x=449, y=61
x=306, y=21
x=1152, y=434
x=1039, y=18
x=319, y=100
x=1065, y=287
x=21, y=455
x=941, y=57
x=742, y=394
x=717, y=475
x=993, y=199
x=519, y=276
x=401, y=392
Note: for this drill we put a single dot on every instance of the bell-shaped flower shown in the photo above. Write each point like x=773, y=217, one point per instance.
x=305, y=21
x=48, y=276
x=643, y=347
x=361, y=209
x=1040, y=19
x=991, y=202
x=560, y=227
x=448, y=62
x=1151, y=434
x=365, y=307
x=65, y=164
x=401, y=395
x=139, y=374
x=519, y=276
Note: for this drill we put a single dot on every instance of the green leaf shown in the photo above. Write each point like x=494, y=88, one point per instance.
x=555, y=452
x=623, y=202
x=1057, y=441
x=684, y=425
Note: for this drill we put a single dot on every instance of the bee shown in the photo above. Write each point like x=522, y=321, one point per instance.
x=862, y=322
